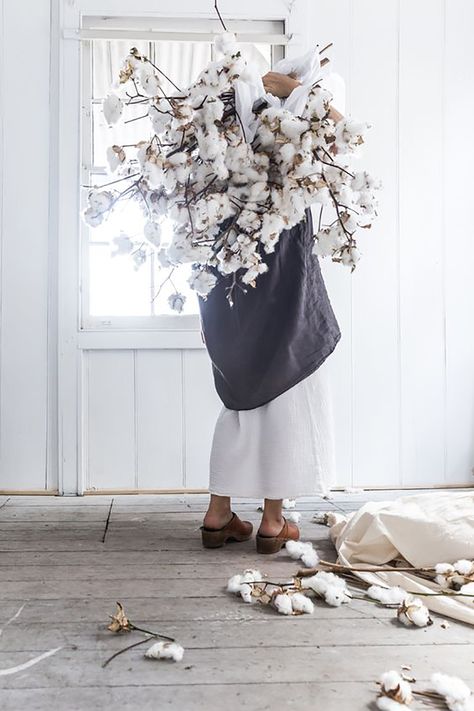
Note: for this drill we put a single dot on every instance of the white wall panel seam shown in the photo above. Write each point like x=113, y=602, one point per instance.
x=398, y=247
x=184, y=423
x=443, y=248
x=135, y=420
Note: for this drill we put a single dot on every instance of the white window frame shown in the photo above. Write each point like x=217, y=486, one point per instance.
x=179, y=30
x=73, y=338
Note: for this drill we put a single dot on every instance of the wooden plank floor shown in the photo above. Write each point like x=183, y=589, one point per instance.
x=65, y=561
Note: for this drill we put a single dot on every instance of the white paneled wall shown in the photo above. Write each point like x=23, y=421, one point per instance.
x=403, y=372
x=150, y=416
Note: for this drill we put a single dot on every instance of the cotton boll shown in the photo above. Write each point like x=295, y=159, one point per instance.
x=202, y=281
x=310, y=558
x=350, y=256
x=160, y=121
x=112, y=107
x=234, y=584
x=165, y=650
x=302, y=603
x=283, y=604
x=335, y=597
x=293, y=516
x=251, y=576
x=293, y=127
x=287, y=152
x=92, y=218
x=457, y=694
x=464, y=567
x=443, y=568
x=152, y=232
x=100, y=201
x=413, y=612
x=253, y=272
x=295, y=549
x=329, y=586
x=318, y=104
x=115, y=157
x=288, y=503
x=150, y=84
x=328, y=240
x=395, y=688
x=153, y=172
x=176, y=302
x=226, y=43
x=392, y=595
x=333, y=518
x=246, y=592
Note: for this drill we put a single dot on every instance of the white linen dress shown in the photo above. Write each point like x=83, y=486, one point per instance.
x=283, y=449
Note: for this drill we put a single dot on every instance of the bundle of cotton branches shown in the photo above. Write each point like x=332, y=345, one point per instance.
x=229, y=199
x=287, y=598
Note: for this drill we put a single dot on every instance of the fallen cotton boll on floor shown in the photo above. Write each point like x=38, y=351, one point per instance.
x=304, y=551
x=293, y=603
x=302, y=603
x=240, y=584
x=165, y=650
x=395, y=692
x=293, y=516
x=329, y=586
x=457, y=694
x=413, y=612
x=389, y=596
x=283, y=604
x=328, y=518
x=289, y=503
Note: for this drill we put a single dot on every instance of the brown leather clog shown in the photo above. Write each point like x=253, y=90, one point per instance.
x=235, y=530
x=272, y=544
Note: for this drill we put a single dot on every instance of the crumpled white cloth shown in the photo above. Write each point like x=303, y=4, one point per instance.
x=424, y=529
x=307, y=68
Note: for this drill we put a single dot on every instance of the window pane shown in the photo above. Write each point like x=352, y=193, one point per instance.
x=117, y=285
x=116, y=288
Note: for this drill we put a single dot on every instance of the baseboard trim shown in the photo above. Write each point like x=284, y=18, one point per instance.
x=140, y=492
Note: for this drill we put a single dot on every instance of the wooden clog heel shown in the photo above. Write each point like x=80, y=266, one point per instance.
x=272, y=544
x=234, y=531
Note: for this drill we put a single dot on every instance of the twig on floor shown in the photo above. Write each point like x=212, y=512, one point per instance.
x=107, y=521
x=125, y=649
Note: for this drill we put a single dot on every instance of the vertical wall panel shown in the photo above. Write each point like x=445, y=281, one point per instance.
x=201, y=407
x=373, y=98
x=110, y=419
x=159, y=419
x=422, y=242
x=458, y=185
x=24, y=245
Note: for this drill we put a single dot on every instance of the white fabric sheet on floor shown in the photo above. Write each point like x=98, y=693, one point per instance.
x=283, y=449
x=423, y=529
